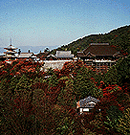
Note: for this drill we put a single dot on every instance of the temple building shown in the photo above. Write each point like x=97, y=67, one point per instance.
x=101, y=56
x=87, y=104
x=10, y=52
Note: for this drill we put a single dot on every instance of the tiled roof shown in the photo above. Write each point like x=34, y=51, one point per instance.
x=51, y=55
x=11, y=47
x=7, y=52
x=64, y=54
x=85, y=102
x=99, y=49
x=90, y=54
x=25, y=55
x=80, y=54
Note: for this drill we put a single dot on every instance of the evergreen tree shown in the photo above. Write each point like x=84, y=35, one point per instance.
x=23, y=87
x=83, y=85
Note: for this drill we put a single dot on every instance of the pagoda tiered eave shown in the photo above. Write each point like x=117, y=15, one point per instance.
x=12, y=52
x=10, y=48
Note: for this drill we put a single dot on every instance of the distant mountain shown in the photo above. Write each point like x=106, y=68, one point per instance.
x=35, y=49
x=120, y=38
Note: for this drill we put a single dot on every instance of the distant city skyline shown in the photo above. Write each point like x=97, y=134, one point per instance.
x=53, y=23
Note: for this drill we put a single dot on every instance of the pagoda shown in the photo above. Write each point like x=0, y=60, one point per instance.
x=10, y=52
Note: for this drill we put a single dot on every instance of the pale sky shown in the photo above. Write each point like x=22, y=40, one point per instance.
x=58, y=22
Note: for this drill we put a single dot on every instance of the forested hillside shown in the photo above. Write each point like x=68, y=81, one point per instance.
x=44, y=103
x=120, y=38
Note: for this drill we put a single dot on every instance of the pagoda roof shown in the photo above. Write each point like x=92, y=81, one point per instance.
x=11, y=47
x=8, y=51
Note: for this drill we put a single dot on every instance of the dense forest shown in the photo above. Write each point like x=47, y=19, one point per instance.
x=119, y=38
x=44, y=103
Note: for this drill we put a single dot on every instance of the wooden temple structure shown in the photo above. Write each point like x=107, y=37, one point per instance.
x=101, y=56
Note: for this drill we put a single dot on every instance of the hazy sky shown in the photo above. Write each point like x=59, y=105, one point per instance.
x=58, y=22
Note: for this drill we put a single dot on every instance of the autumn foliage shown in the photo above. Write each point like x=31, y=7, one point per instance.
x=38, y=102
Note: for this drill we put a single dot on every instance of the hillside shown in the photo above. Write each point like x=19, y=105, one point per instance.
x=31, y=99
x=119, y=37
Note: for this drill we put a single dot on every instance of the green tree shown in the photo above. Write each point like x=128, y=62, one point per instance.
x=119, y=73
x=124, y=123
x=83, y=85
x=23, y=87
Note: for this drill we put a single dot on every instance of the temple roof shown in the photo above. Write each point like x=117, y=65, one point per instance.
x=64, y=54
x=10, y=52
x=85, y=102
x=11, y=47
x=25, y=55
x=51, y=55
x=98, y=49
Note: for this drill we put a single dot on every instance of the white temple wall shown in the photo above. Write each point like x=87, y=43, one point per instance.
x=54, y=64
